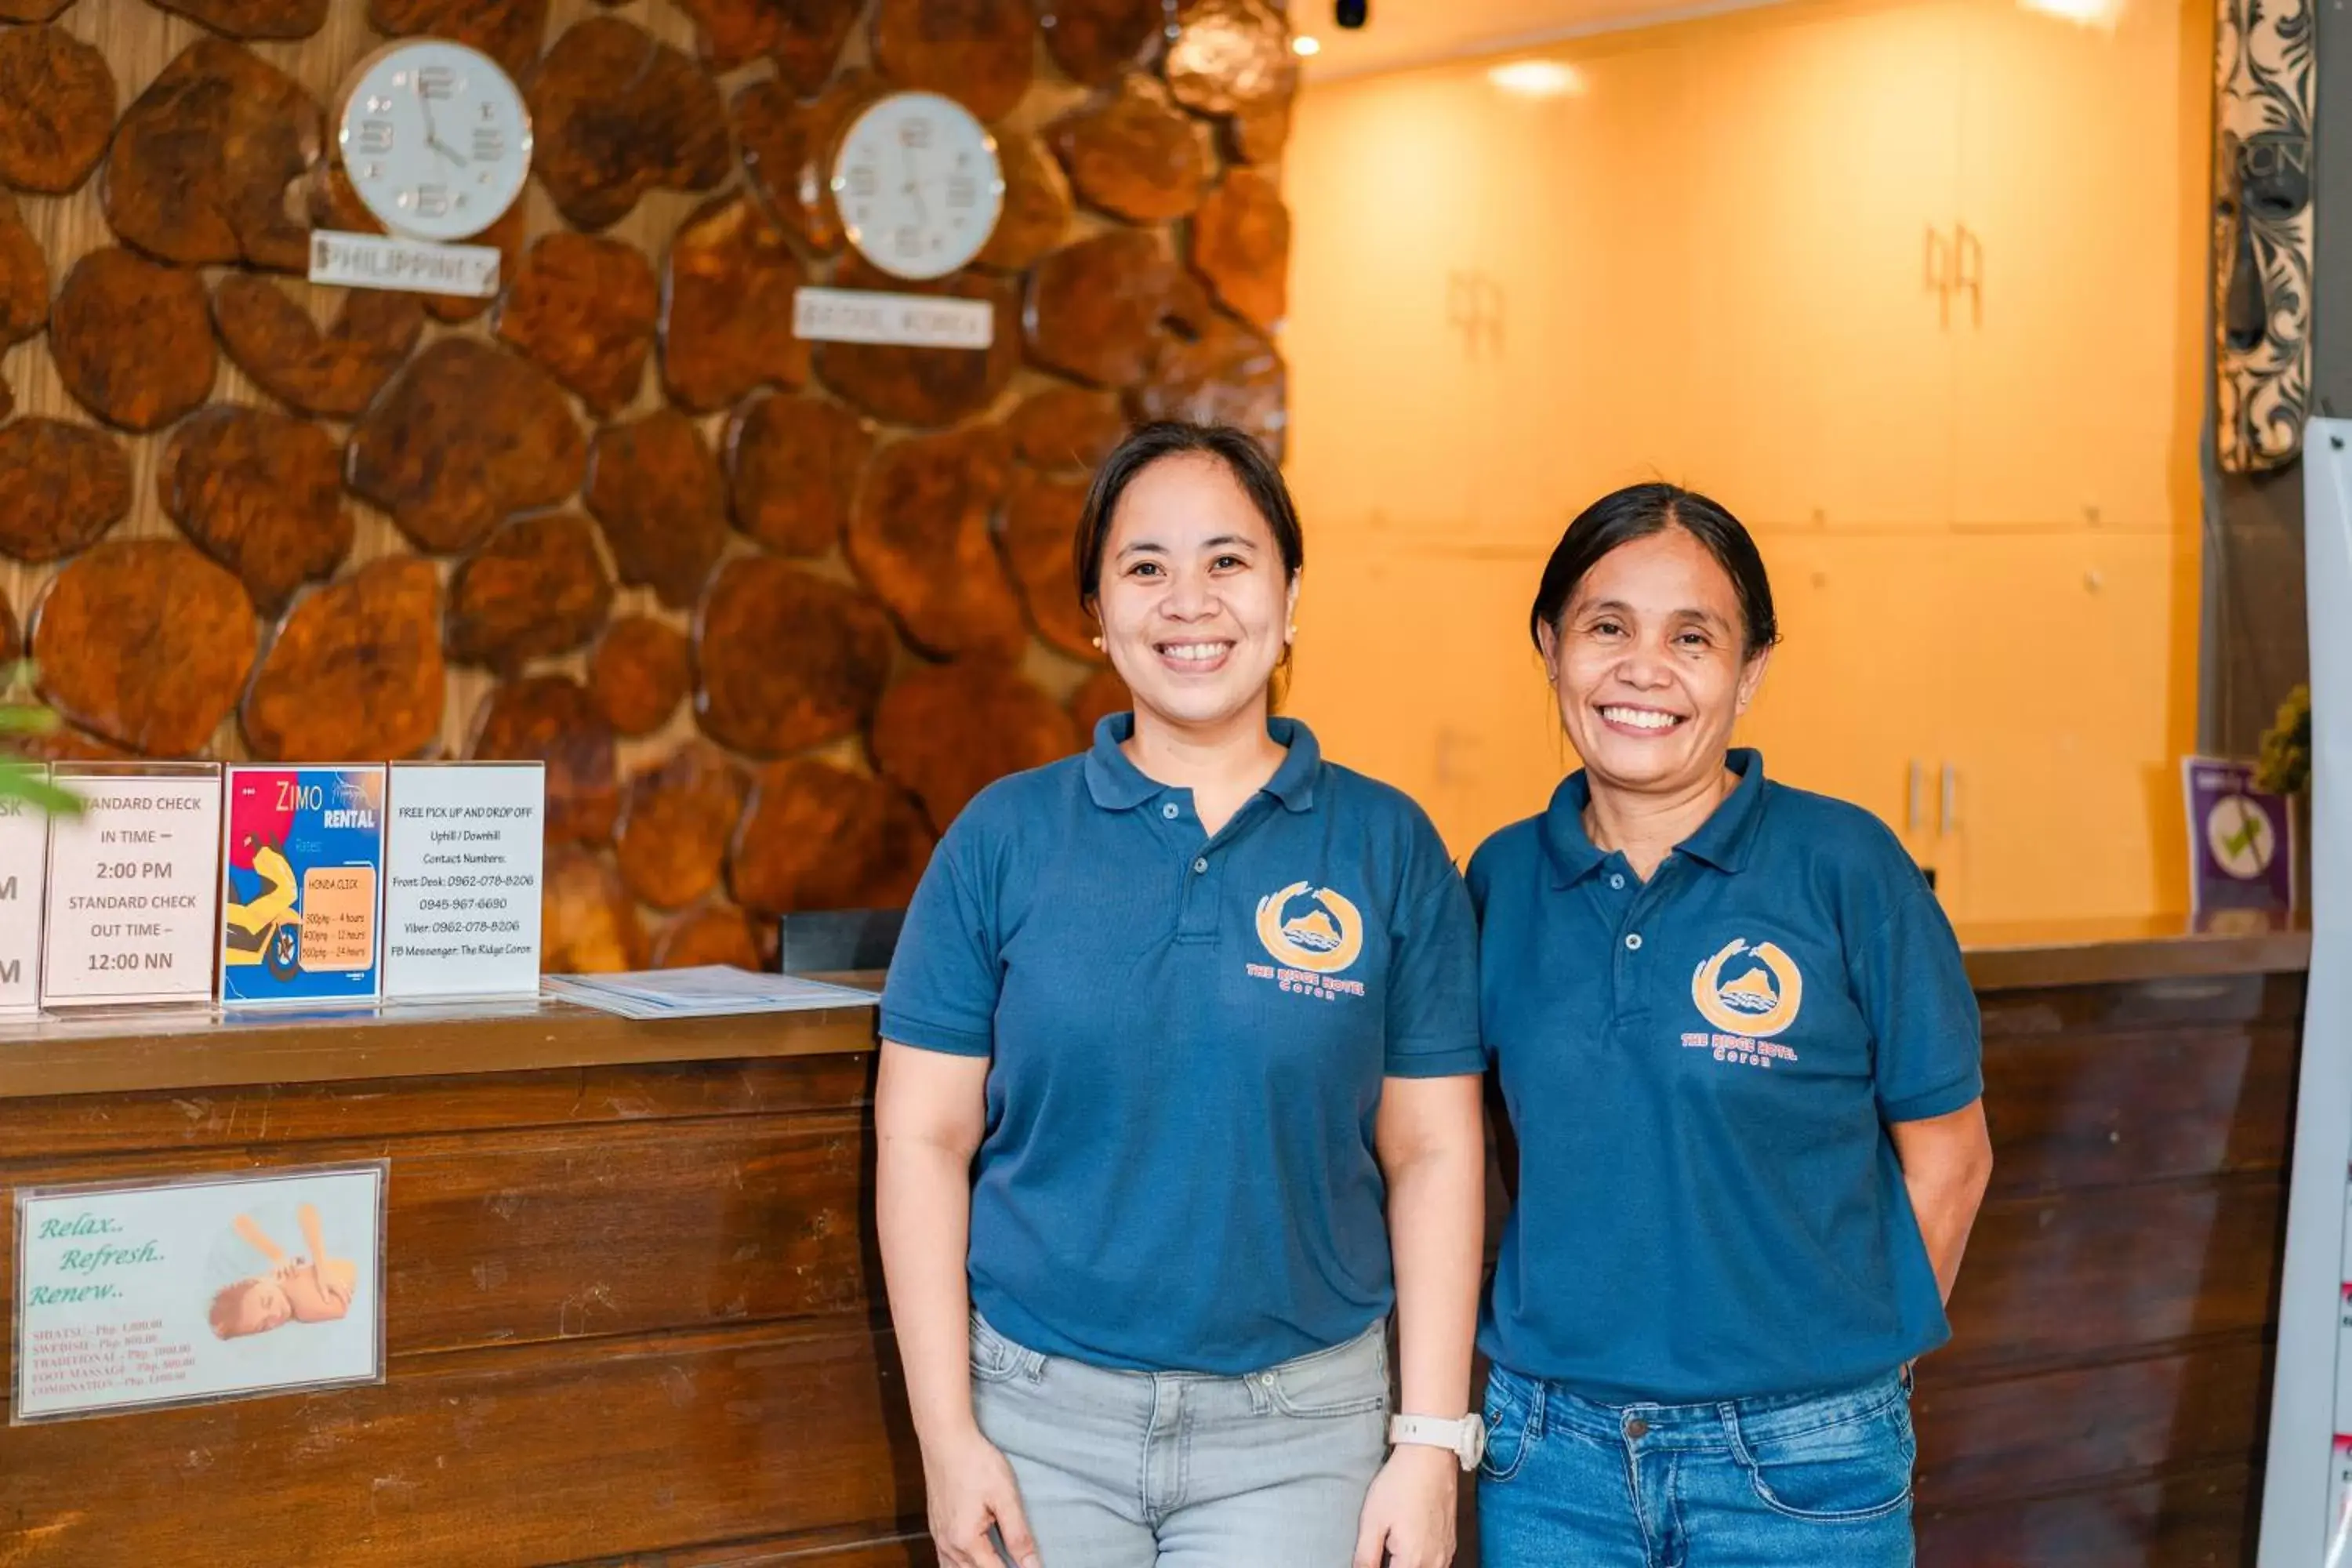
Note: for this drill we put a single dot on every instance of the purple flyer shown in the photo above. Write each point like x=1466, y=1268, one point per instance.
x=2240, y=849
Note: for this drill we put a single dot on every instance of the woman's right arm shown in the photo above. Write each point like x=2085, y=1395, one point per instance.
x=929, y=1108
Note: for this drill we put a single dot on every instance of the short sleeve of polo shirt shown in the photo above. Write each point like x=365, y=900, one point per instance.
x=1914, y=991
x=1432, y=983
x=946, y=972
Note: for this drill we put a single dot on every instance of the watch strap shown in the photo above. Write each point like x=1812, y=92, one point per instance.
x=1464, y=1438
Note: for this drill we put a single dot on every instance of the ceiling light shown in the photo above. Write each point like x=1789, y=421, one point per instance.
x=1544, y=79
x=1306, y=46
x=2086, y=13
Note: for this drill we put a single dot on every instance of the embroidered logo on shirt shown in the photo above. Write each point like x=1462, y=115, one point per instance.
x=1752, y=993
x=1312, y=933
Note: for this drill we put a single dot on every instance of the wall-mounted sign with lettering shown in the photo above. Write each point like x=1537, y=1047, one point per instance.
x=461, y=879
x=132, y=885
x=135, y=1296
x=407, y=266
x=302, y=868
x=24, y=870
x=868, y=316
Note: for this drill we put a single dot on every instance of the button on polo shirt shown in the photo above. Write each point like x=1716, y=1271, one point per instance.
x=1700, y=1070
x=1188, y=1036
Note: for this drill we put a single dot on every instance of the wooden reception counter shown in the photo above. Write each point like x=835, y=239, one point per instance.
x=633, y=1311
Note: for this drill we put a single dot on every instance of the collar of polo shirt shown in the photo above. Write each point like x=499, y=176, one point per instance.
x=1118, y=785
x=1721, y=841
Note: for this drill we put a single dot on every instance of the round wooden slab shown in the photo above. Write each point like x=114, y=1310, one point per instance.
x=1241, y=245
x=663, y=502
x=716, y=933
x=1257, y=135
x=786, y=660
x=202, y=160
x=23, y=277
x=355, y=671
x=509, y=31
x=56, y=109
x=731, y=33
x=926, y=386
x=550, y=718
x=948, y=731
x=1226, y=377
x=335, y=374
x=61, y=486
x=1067, y=429
x=1103, y=694
x=1095, y=307
x=12, y=642
x=811, y=42
x=978, y=52
x=1041, y=529
x=31, y=10
x=1037, y=206
x=792, y=465
x=640, y=672
x=675, y=822
x=585, y=308
x=1135, y=153
x=615, y=113
x=466, y=437
x=536, y=589
x=788, y=148
x=1098, y=41
x=587, y=923
x=919, y=538
x=817, y=837
x=1231, y=57
x=132, y=340
x=262, y=494
x=144, y=643
x=254, y=18
x=727, y=308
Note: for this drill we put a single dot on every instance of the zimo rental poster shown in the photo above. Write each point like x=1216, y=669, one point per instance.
x=132, y=1296
x=302, y=863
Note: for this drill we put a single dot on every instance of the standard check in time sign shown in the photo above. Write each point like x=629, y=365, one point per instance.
x=131, y=885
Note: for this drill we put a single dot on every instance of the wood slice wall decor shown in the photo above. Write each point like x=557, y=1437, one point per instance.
x=769, y=615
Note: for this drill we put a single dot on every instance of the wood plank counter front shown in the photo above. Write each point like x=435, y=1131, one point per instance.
x=634, y=1314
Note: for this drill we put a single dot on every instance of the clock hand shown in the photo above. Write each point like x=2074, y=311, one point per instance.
x=914, y=185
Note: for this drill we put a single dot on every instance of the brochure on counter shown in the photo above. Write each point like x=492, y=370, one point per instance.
x=713, y=990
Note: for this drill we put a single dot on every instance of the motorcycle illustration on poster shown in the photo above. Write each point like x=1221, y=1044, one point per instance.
x=302, y=861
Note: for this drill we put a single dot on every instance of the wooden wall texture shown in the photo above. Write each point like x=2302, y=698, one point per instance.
x=770, y=615
x=635, y=1315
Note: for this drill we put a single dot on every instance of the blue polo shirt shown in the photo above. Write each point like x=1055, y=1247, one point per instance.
x=1700, y=1071
x=1187, y=1036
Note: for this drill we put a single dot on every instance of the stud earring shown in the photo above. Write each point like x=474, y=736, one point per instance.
x=1097, y=645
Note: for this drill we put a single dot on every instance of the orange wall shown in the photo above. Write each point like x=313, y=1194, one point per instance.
x=1709, y=263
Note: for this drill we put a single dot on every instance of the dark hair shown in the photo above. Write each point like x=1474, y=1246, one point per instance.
x=1248, y=462
x=1637, y=511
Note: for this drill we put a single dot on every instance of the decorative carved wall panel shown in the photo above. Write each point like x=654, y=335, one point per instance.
x=2266, y=71
x=770, y=615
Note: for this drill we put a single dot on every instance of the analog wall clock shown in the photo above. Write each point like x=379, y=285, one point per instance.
x=917, y=184
x=435, y=138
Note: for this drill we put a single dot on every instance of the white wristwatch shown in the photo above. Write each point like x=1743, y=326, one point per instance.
x=1466, y=1437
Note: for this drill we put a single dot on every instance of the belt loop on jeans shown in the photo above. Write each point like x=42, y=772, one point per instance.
x=1031, y=1363
x=1538, y=1391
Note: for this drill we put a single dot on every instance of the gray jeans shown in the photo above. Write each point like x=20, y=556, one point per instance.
x=1134, y=1470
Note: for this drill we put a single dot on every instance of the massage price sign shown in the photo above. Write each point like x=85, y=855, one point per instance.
x=133, y=1297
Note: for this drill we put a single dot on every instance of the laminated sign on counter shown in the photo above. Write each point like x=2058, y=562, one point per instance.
x=302, y=866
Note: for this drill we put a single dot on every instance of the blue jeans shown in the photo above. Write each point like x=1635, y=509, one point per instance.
x=1178, y=1470
x=1809, y=1481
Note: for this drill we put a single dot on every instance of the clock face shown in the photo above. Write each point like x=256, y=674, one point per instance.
x=917, y=184
x=435, y=139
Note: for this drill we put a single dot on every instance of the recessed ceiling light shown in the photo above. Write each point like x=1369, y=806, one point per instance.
x=2088, y=12
x=1303, y=45
x=1536, y=79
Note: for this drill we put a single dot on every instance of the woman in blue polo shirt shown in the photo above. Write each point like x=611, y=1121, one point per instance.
x=1180, y=1096
x=1741, y=1061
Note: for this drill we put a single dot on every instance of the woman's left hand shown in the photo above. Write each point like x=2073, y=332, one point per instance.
x=1409, y=1513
